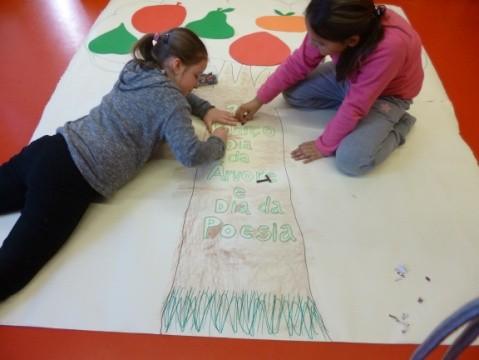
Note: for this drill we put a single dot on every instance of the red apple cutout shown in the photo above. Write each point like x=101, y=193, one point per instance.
x=259, y=49
x=158, y=18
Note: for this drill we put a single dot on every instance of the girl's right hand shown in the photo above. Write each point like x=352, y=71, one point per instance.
x=221, y=132
x=246, y=111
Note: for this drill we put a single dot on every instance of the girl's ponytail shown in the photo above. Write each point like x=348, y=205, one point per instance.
x=142, y=51
x=153, y=49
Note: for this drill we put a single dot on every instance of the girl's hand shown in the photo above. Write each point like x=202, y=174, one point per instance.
x=307, y=152
x=221, y=132
x=246, y=111
x=218, y=116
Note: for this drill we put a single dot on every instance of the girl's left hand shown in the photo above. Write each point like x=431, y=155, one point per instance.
x=307, y=152
x=215, y=115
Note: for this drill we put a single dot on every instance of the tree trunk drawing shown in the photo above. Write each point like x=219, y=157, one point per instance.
x=241, y=266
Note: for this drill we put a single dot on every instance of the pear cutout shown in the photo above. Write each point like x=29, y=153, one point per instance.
x=213, y=25
x=117, y=41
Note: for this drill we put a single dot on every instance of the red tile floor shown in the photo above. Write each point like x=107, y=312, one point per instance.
x=39, y=37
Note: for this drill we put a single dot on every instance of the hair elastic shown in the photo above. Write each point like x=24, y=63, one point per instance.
x=379, y=10
x=165, y=37
x=155, y=39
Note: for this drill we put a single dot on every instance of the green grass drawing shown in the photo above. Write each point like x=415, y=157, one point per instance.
x=247, y=312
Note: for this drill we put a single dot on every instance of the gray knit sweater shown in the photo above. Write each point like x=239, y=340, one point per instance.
x=112, y=143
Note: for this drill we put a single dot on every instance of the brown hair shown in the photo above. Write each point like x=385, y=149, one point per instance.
x=337, y=20
x=153, y=49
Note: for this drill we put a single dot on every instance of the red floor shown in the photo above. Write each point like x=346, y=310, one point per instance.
x=38, y=39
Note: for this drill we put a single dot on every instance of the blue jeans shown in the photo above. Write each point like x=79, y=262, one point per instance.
x=376, y=136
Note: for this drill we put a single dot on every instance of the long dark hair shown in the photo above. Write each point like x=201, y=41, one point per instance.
x=337, y=20
x=153, y=49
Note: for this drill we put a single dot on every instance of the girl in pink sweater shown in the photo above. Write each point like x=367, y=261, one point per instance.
x=375, y=73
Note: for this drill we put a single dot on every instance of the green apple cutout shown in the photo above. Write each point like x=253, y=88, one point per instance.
x=213, y=25
x=117, y=41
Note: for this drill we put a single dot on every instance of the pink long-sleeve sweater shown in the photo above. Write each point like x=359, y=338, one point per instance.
x=394, y=68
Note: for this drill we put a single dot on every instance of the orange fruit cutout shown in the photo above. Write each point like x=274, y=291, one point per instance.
x=282, y=22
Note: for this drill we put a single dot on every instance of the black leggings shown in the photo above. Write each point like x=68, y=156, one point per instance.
x=42, y=182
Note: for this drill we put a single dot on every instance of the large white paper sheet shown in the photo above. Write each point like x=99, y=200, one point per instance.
x=331, y=273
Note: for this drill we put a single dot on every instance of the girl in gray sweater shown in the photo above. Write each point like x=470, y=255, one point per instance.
x=53, y=180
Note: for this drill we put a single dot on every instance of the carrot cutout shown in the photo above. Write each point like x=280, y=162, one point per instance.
x=158, y=18
x=259, y=49
x=287, y=22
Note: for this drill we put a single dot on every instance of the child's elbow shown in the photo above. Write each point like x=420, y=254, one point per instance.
x=188, y=162
x=202, y=155
x=194, y=160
